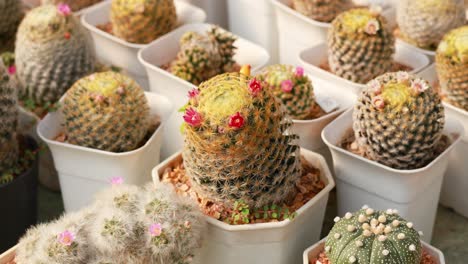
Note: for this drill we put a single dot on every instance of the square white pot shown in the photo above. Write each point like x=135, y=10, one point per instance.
x=255, y=20
x=312, y=57
x=429, y=53
x=118, y=52
x=84, y=171
x=297, y=32
x=310, y=131
x=414, y=193
x=163, y=51
x=272, y=243
x=313, y=251
x=216, y=11
x=454, y=193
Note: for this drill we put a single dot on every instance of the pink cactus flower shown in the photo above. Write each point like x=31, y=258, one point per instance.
x=378, y=102
x=419, y=86
x=155, y=229
x=116, y=180
x=236, y=120
x=12, y=69
x=192, y=117
x=66, y=238
x=193, y=93
x=402, y=76
x=299, y=71
x=372, y=27
x=286, y=86
x=375, y=86
x=64, y=9
x=255, y=86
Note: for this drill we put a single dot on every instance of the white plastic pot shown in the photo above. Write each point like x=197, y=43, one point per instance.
x=85, y=171
x=310, y=131
x=120, y=53
x=313, y=57
x=454, y=193
x=429, y=53
x=414, y=193
x=216, y=11
x=273, y=243
x=313, y=251
x=255, y=20
x=163, y=51
x=297, y=32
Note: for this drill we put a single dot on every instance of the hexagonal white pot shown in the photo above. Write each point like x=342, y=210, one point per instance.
x=297, y=32
x=164, y=50
x=312, y=57
x=314, y=251
x=256, y=21
x=84, y=171
x=273, y=243
x=453, y=193
x=414, y=193
x=120, y=53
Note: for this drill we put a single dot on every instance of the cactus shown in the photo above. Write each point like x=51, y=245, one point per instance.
x=424, y=22
x=291, y=87
x=204, y=56
x=452, y=67
x=8, y=121
x=75, y=5
x=10, y=14
x=237, y=143
x=106, y=111
x=398, y=121
x=52, y=52
x=373, y=237
x=321, y=10
x=142, y=21
x=360, y=45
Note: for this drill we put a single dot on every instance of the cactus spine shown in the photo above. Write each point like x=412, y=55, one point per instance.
x=424, y=22
x=291, y=87
x=142, y=21
x=452, y=67
x=373, y=237
x=398, y=121
x=360, y=45
x=52, y=52
x=106, y=111
x=321, y=10
x=204, y=56
x=230, y=120
x=75, y=5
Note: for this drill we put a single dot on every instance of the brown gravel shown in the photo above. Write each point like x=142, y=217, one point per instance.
x=323, y=259
x=309, y=185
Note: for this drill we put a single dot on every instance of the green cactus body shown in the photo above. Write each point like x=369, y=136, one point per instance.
x=291, y=87
x=75, y=5
x=321, y=10
x=106, y=111
x=204, y=56
x=373, y=237
x=52, y=52
x=360, y=45
x=398, y=121
x=237, y=143
x=424, y=22
x=10, y=12
x=8, y=121
x=452, y=67
x=142, y=21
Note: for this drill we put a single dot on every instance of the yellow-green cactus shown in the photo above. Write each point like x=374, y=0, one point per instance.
x=398, y=121
x=424, y=22
x=452, y=67
x=106, y=111
x=237, y=143
x=75, y=5
x=142, y=21
x=360, y=45
x=321, y=10
x=291, y=87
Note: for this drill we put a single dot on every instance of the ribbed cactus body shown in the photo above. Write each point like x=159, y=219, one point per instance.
x=203, y=56
x=321, y=10
x=106, y=111
x=360, y=45
x=398, y=121
x=424, y=22
x=452, y=67
x=142, y=21
x=75, y=5
x=237, y=145
x=52, y=52
x=291, y=87
x=373, y=237
x=8, y=121
x=10, y=16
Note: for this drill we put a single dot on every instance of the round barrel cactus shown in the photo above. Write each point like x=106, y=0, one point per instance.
x=106, y=111
x=321, y=10
x=398, y=121
x=452, y=67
